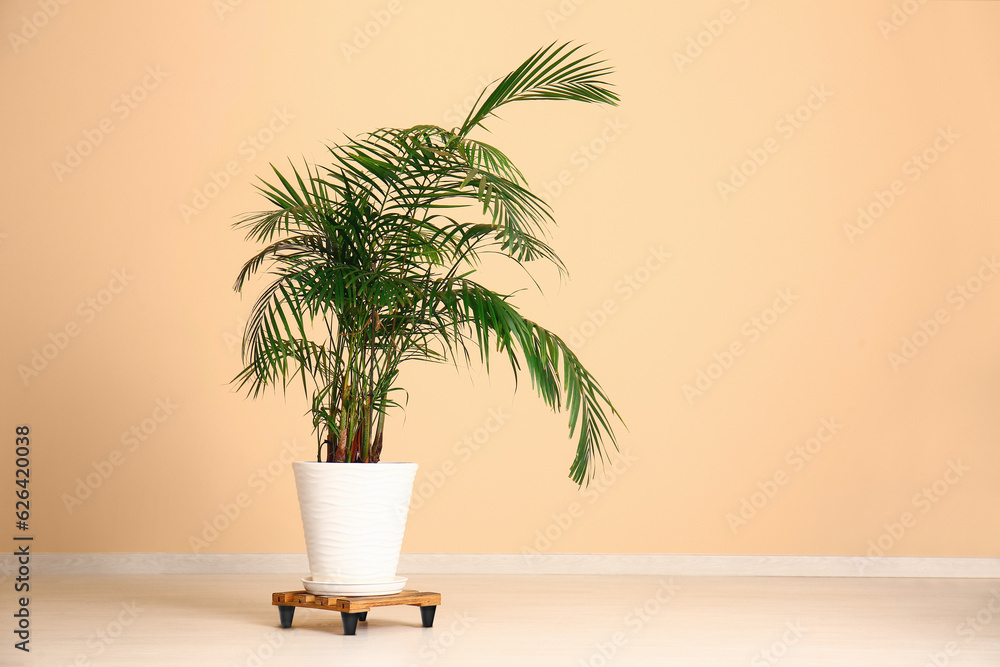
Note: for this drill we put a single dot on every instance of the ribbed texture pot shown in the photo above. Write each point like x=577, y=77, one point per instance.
x=353, y=516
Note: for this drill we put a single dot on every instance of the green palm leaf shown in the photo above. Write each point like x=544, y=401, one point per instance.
x=552, y=73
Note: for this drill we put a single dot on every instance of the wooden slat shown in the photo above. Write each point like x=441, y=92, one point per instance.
x=354, y=605
x=429, y=599
x=358, y=604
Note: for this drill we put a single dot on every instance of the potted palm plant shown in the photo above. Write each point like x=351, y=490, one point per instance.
x=371, y=266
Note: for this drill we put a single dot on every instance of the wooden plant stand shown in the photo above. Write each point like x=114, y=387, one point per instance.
x=354, y=609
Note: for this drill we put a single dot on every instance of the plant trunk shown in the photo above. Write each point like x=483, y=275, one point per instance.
x=376, y=452
x=356, y=446
x=340, y=454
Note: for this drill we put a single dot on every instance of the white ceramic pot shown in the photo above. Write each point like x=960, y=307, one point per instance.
x=354, y=515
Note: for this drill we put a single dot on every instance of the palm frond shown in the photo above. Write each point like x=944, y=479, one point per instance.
x=552, y=73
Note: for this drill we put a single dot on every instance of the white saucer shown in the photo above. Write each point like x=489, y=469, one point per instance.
x=394, y=585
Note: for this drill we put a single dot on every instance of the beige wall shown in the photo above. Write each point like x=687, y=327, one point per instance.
x=129, y=293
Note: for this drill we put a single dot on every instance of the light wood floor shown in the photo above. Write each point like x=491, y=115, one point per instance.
x=566, y=620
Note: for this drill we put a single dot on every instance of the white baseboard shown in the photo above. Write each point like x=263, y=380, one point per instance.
x=528, y=564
